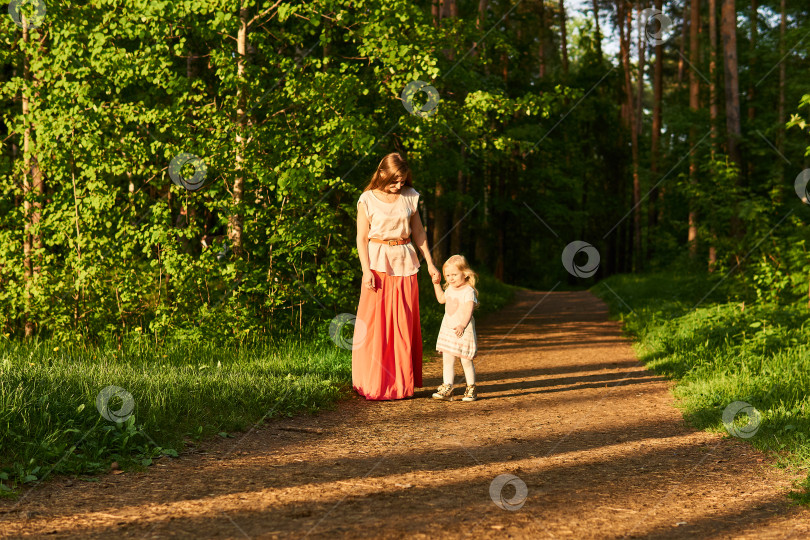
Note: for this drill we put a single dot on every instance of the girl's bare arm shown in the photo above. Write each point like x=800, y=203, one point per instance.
x=439, y=293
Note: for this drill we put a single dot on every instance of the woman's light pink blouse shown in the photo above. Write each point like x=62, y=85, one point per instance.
x=391, y=221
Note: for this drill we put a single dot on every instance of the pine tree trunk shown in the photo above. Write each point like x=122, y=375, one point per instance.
x=733, y=128
x=752, y=110
x=543, y=31
x=655, y=143
x=563, y=38
x=776, y=189
x=235, y=218
x=713, y=112
x=694, y=105
x=684, y=30
x=636, y=127
x=729, y=32
x=598, y=30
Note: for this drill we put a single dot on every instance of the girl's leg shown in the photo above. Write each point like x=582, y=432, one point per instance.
x=469, y=370
x=449, y=373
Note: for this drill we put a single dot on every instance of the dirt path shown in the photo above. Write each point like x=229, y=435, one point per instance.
x=565, y=407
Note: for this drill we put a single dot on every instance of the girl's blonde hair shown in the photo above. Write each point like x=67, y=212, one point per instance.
x=460, y=262
x=391, y=168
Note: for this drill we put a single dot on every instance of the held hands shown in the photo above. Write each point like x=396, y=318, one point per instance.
x=435, y=275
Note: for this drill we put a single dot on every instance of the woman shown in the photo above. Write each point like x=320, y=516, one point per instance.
x=387, y=361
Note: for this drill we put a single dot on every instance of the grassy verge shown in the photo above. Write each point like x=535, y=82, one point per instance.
x=724, y=351
x=50, y=421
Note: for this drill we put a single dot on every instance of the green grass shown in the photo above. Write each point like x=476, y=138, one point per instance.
x=724, y=351
x=181, y=391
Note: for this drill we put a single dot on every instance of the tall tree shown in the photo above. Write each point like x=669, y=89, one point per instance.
x=713, y=111
x=235, y=218
x=563, y=38
x=655, y=142
x=732, y=79
x=694, y=105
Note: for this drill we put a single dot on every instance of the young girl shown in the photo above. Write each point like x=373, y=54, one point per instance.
x=457, y=337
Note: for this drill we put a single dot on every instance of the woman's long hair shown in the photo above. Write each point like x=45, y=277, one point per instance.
x=460, y=262
x=391, y=168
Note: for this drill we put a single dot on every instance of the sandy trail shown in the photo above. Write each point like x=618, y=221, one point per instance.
x=565, y=406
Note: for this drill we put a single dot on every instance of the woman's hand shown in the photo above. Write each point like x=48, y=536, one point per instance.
x=368, y=280
x=435, y=275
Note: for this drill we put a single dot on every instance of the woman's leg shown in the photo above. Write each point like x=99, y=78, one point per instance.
x=469, y=370
x=449, y=363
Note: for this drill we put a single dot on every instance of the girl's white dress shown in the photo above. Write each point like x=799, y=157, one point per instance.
x=466, y=345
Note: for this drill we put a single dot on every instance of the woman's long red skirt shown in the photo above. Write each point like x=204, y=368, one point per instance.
x=387, y=344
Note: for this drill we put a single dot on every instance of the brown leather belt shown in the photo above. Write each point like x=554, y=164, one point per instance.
x=399, y=242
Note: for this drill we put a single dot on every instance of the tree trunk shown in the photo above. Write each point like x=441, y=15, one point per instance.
x=752, y=111
x=655, y=143
x=713, y=112
x=684, y=30
x=598, y=31
x=638, y=261
x=776, y=189
x=733, y=127
x=235, y=218
x=542, y=50
x=458, y=211
x=33, y=191
x=694, y=105
x=479, y=23
x=563, y=38
x=729, y=32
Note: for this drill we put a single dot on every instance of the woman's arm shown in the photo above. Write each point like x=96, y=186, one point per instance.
x=420, y=239
x=439, y=293
x=363, y=227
